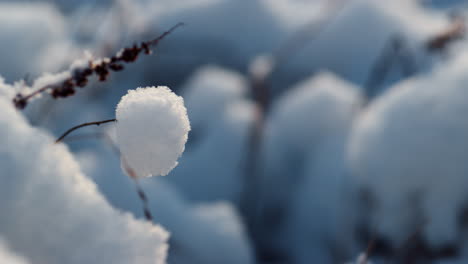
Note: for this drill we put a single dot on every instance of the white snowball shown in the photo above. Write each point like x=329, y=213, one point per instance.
x=152, y=129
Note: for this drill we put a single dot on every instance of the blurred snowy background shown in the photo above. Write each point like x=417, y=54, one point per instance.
x=323, y=131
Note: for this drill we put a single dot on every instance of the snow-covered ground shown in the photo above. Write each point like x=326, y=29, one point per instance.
x=340, y=124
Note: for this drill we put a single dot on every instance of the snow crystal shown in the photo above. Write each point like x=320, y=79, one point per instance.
x=152, y=129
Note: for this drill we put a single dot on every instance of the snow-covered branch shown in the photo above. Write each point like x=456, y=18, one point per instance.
x=65, y=83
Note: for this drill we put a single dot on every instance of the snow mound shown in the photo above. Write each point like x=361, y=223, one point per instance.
x=409, y=150
x=51, y=213
x=303, y=159
x=359, y=33
x=209, y=90
x=152, y=129
x=316, y=109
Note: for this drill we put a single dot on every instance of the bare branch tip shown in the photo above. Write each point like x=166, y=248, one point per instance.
x=97, y=123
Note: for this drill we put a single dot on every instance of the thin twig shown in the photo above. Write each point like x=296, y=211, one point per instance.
x=307, y=33
x=133, y=175
x=455, y=31
x=97, y=123
x=144, y=199
x=395, y=51
x=102, y=68
x=83, y=136
x=163, y=35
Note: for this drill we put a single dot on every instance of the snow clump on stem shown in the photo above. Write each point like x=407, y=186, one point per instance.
x=152, y=129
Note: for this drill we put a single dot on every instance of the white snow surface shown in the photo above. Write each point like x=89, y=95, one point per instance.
x=52, y=213
x=9, y=257
x=152, y=129
x=398, y=149
x=203, y=233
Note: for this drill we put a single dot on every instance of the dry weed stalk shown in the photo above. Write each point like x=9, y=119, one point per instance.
x=96, y=123
x=100, y=67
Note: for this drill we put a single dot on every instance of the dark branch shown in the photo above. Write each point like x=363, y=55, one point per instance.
x=102, y=69
x=455, y=31
x=97, y=123
x=395, y=52
x=84, y=136
x=163, y=35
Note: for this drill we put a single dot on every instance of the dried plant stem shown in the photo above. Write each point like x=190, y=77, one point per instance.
x=101, y=68
x=395, y=51
x=133, y=175
x=84, y=136
x=125, y=166
x=96, y=123
x=163, y=35
x=307, y=33
x=369, y=249
x=144, y=199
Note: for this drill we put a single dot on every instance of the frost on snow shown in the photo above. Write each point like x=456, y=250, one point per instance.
x=51, y=213
x=152, y=129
